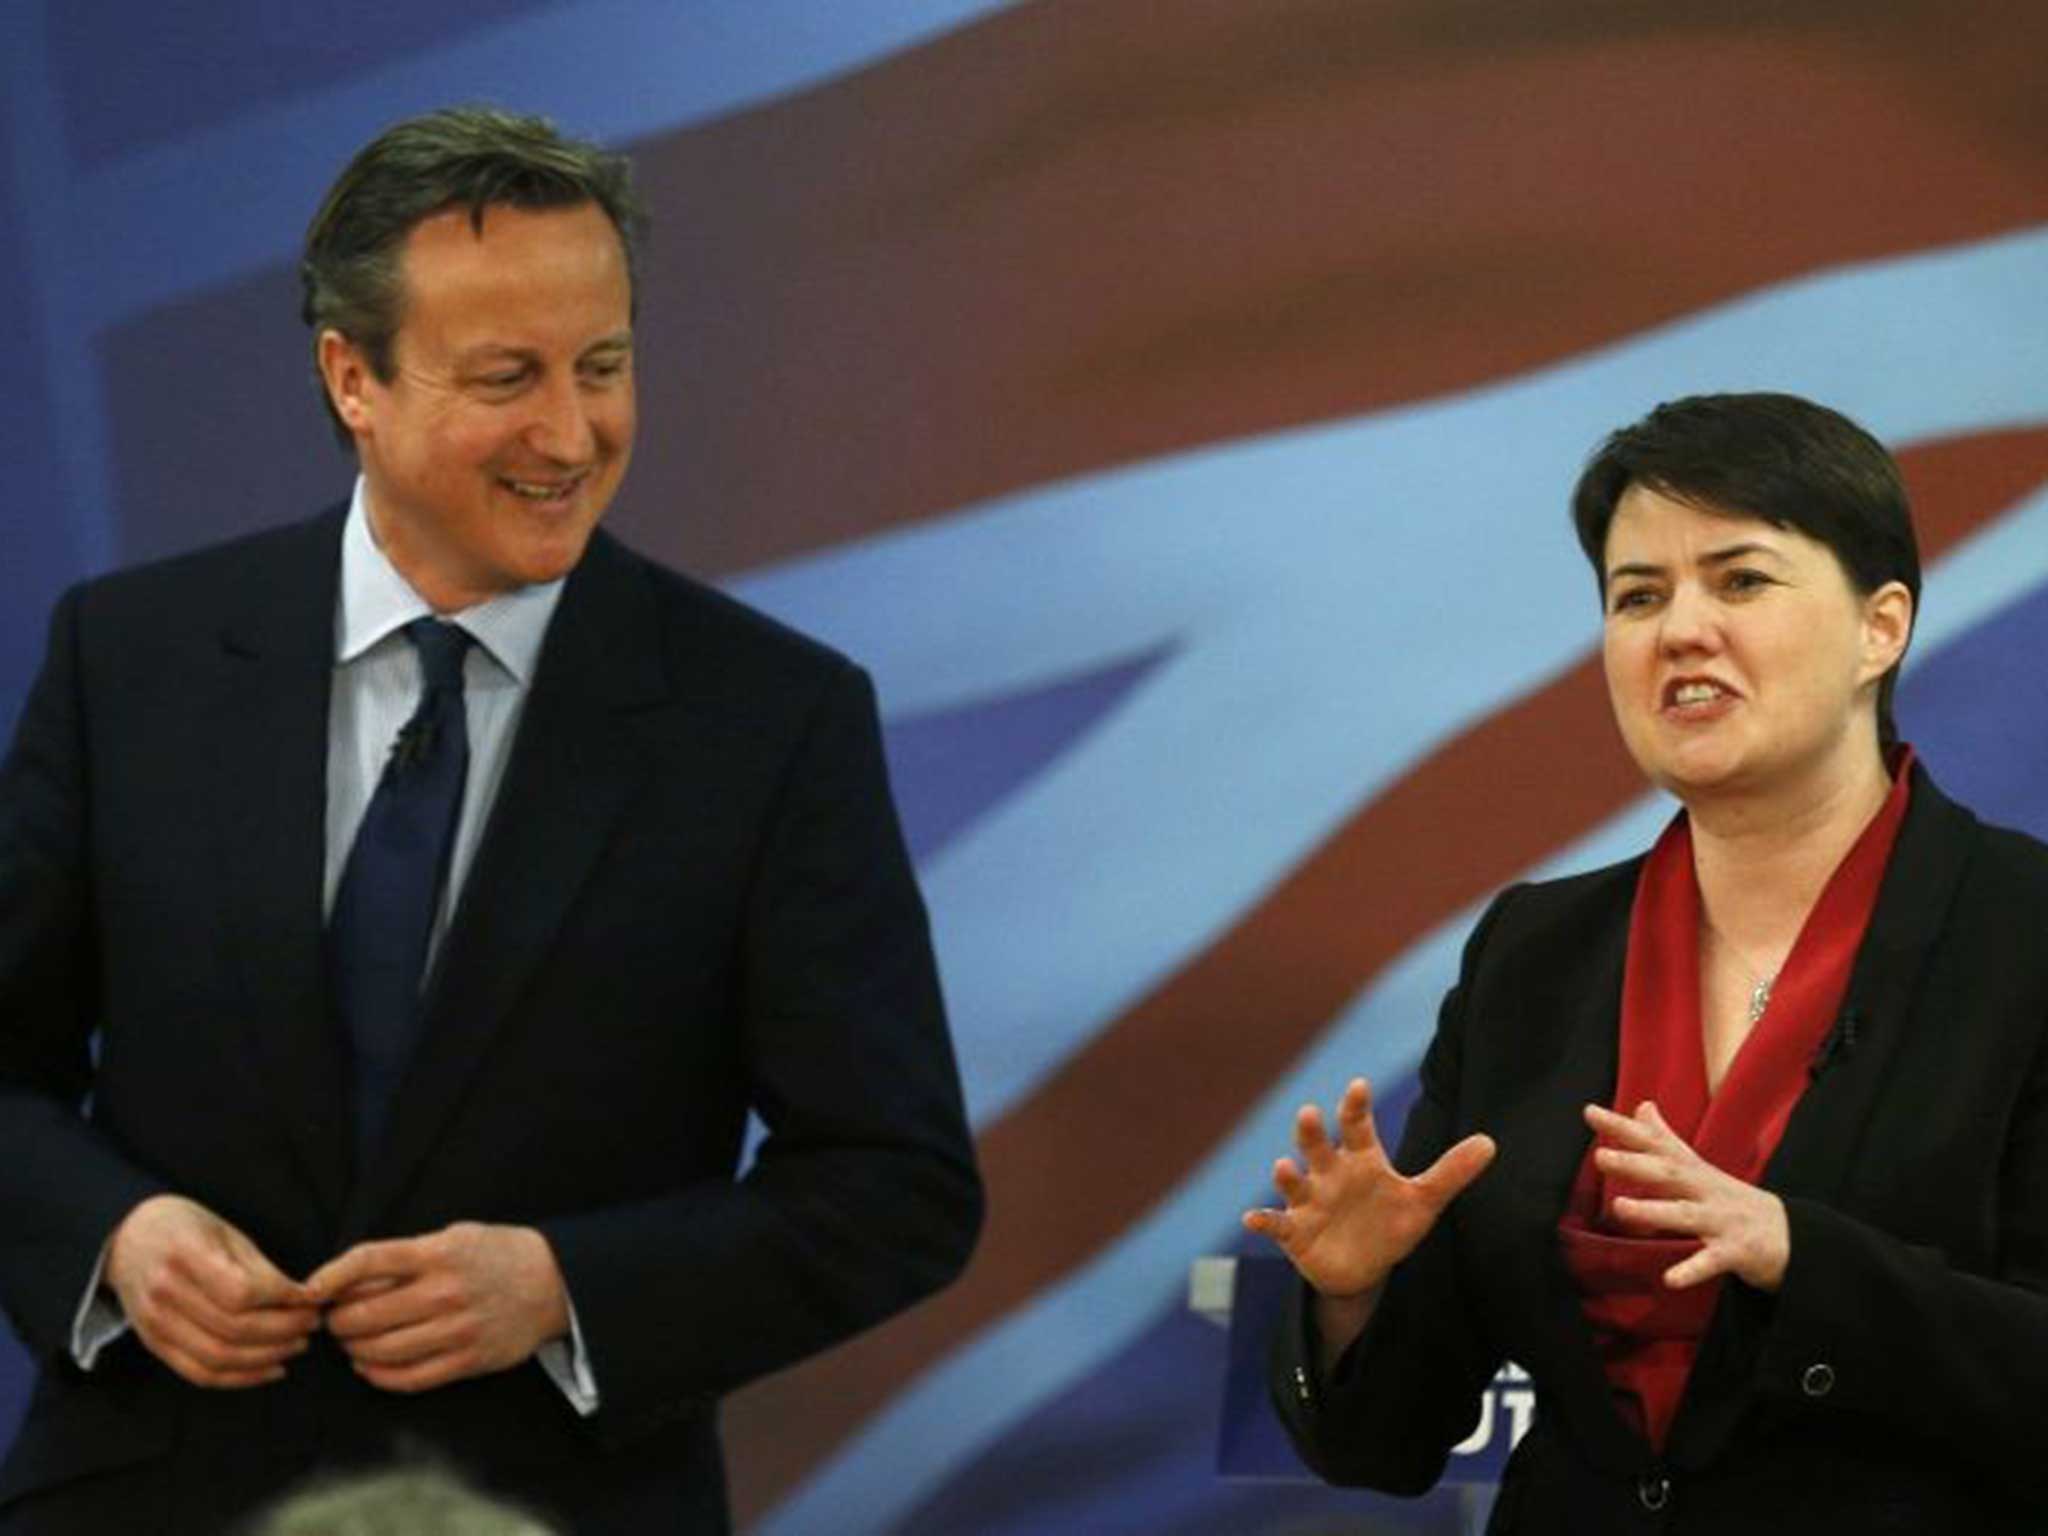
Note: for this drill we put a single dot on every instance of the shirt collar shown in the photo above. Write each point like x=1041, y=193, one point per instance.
x=376, y=602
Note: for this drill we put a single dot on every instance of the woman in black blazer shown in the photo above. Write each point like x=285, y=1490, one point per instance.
x=1765, y=1111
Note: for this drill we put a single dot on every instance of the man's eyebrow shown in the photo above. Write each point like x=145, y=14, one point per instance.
x=492, y=351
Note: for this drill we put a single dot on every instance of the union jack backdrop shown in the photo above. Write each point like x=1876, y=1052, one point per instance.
x=1173, y=403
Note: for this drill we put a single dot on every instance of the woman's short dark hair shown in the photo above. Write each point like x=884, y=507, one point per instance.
x=1778, y=458
x=461, y=157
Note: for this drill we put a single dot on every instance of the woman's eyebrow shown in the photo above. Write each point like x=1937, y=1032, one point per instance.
x=1720, y=556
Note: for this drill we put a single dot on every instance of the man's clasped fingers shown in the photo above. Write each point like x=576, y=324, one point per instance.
x=402, y=1345
x=370, y=1268
x=194, y=1290
x=209, y=1361
x=202, y=1297
x=415, y=1334
x=202, y=1372
x=419, y=1312
x=376, y=1287
x=453, y=1338
x=391, y=1310
x=210, y=1349
x=433, y=1370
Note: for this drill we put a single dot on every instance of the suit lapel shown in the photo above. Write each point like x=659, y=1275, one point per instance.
x=268, y=732
x=571, y=774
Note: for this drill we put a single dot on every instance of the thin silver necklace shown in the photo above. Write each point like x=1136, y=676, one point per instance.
x=1760, y=982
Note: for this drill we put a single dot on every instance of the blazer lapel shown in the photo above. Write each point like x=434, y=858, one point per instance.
x=268, y=732
x=1926, y=867
x=572, y=772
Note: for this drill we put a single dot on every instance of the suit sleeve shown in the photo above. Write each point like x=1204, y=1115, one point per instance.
x=864, y=1195
x=1409, y=1387
x=66, y=1188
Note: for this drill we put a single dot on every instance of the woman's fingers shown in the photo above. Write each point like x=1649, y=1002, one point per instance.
x=1355, y=1130
x=1681, y=1216
x=1628, y=1131
x=1294, y=1180
x=1348, y=1216
x=1267, y=1223
x=1649, y=1170
x=1748, y=1240
x=1661, y=1137
x=1311, y=1140
x=1354, y=1117
x=1743, y=1229
x=1446, y=1178
x=1290, y=1181
x=1704, y=1265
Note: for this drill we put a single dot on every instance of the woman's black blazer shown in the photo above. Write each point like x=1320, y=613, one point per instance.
x=1899, y=1378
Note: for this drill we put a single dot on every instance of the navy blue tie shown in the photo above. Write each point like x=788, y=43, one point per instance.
x=390, y=891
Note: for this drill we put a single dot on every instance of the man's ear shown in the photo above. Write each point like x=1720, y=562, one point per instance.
x=1887, y=626
x=346, y=374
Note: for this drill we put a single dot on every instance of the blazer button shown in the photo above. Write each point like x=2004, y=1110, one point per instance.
x=1818, y=1381
x=1653, y=1493
x=1301, y=1386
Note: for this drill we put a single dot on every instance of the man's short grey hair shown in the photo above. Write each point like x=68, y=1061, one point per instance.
x=410, y=1501
x=473, y=158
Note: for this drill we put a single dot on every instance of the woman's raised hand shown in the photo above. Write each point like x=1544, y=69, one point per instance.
x=1743, y=1230
x=1350, y=1216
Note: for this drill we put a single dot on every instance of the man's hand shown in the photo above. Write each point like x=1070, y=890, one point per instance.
x=419, y=1312
x=202, y=1297
x=1743, y=1229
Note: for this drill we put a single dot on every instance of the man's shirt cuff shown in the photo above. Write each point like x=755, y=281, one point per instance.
x=567, y=1363
x=99, y=1320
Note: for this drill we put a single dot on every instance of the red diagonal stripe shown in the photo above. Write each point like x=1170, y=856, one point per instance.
x=1078, y=235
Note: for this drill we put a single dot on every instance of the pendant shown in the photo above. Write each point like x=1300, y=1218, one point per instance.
x=1760, y=998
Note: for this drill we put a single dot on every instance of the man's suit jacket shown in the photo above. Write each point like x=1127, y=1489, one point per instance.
x=1899, y=1378
x=691, y=898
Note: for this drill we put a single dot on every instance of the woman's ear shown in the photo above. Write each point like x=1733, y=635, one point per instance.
x=1887, y=626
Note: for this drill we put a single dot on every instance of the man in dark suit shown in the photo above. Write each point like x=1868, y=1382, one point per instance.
x=400, y=913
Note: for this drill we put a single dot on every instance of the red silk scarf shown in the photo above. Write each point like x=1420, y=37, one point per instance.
x=1648, y=1334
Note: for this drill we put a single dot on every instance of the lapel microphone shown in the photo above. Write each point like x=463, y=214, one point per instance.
x=1835, y=1046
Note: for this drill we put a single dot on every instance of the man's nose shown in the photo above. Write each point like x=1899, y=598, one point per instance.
x=561, y=428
